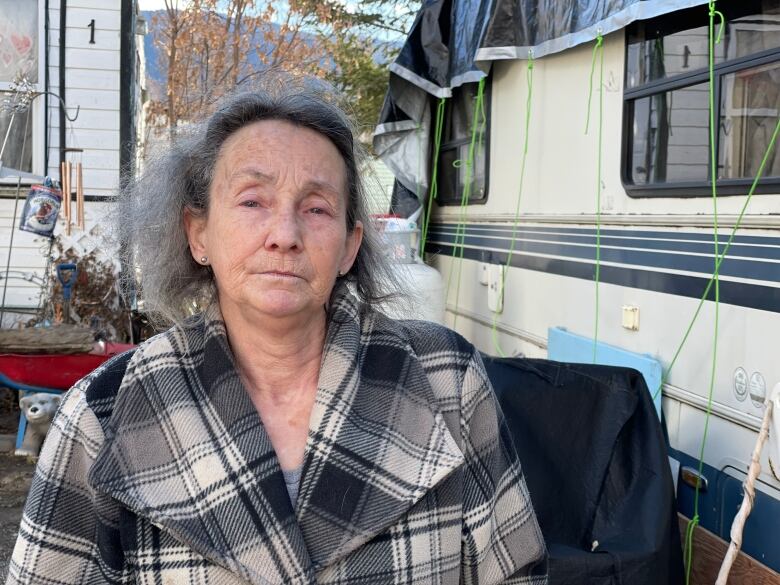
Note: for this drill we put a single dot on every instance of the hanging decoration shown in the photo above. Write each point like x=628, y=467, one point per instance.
x=41, y=209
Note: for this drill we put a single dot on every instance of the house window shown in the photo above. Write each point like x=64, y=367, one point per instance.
x=666, y=148
x=20, y=52
x=456, y=139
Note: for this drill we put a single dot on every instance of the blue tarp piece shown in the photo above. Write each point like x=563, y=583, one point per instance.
x=563, y=346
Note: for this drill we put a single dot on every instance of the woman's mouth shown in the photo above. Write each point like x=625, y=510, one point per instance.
x=280, y=274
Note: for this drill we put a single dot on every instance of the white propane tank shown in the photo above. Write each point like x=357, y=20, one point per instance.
x=423, y=283
x=426, y=287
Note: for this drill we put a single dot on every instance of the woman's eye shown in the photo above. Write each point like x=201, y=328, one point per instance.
x=317, y=210
x=250, y=203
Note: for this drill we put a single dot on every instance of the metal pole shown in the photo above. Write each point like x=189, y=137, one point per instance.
x=7, y=133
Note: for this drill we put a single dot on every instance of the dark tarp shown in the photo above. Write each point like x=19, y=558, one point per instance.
x=594, y=457
x=452, y=42
x=550, y=26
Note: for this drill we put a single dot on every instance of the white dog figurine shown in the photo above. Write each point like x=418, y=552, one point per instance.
x=39, y=408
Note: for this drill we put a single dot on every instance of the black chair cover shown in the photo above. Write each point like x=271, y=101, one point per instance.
x=594, y=457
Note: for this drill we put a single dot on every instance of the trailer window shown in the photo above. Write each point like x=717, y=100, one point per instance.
x=666, y=101
x=457, y=132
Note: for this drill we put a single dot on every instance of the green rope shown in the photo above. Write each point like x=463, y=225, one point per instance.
x=721, y=257
x=598, y=49
x=529, y=83
x=716, y=278
x=433, y=192
x=477, y=128
x=599, y=44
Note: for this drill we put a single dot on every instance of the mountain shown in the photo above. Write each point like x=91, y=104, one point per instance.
x=156, y=75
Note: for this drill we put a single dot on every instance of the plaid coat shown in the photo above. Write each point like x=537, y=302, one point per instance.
x=409, y=473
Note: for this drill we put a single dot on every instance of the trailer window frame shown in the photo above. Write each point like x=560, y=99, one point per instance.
x=656, y=87
x=449, y=144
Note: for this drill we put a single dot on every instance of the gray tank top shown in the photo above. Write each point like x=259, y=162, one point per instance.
x=292, y=479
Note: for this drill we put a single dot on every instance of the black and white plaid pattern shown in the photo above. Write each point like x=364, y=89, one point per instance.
x=409, y=474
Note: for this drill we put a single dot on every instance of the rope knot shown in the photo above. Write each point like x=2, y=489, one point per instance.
x=719, y=14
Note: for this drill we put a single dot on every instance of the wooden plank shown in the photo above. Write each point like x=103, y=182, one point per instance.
x=708, y=553
x=92, y=59
x=107, y=139
x=90, y=79
x=95, y=4
x=94, y=99
x=108, y=18
x=89, y=119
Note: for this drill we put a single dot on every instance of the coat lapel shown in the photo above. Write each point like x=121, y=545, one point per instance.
x=377, y=442
x=186, y=449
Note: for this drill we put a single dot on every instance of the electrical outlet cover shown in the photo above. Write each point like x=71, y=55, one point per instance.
x=483, y=273
x=495, y=287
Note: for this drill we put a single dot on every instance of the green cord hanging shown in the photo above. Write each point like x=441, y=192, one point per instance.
x=477, y=129
x=598, y=51
x=688, y=553
x=433, y=192
x=720, y=258
x=529, y=83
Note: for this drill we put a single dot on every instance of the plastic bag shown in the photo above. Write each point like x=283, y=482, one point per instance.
x=41, y=209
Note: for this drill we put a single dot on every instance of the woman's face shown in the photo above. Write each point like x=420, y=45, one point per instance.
x=276, y=231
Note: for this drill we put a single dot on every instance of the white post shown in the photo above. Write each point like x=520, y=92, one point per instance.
x=738, y=526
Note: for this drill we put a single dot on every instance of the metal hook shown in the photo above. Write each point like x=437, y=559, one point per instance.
x=64, y=106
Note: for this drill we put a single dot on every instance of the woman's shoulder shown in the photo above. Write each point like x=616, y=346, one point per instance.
x=427, y=337
x=99, y=389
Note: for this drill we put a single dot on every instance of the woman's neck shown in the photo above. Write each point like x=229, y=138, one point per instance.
x=279, y=360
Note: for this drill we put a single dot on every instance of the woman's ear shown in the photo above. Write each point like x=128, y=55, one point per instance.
x=354, y=239
x=195, y=227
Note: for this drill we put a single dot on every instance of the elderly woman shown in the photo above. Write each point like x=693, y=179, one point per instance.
x=289, y=432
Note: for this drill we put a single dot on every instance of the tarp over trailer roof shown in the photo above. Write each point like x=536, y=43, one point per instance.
x=453, y=42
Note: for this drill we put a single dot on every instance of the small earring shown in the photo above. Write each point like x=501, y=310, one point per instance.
x=204, y=259
x=340, y=273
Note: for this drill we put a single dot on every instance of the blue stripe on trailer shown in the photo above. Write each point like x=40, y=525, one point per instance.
x=754, y=296
x=736, y=267
x=766, y=251
x=701, y=236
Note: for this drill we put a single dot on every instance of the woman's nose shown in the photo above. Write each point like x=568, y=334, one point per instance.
x=284, y=232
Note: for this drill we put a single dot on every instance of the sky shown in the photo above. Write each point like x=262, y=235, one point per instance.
x=151, y=4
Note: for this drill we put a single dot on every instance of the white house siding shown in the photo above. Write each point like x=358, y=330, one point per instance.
x=27, y=257
x=92, y=83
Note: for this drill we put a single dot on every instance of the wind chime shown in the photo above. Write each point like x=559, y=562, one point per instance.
x=66, y=172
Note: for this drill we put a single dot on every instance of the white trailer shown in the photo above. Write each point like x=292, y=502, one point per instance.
x=639, y=201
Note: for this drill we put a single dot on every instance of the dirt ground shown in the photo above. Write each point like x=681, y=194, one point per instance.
x=15, y=477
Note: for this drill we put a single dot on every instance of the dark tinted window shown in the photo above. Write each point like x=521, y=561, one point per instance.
x=460, y=124
x=666, y=109
x=676, y=44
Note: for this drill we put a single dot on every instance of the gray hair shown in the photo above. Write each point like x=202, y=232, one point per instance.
x=148, y=214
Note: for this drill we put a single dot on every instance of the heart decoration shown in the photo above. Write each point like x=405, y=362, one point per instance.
x=22, y=44
x=6, y=58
